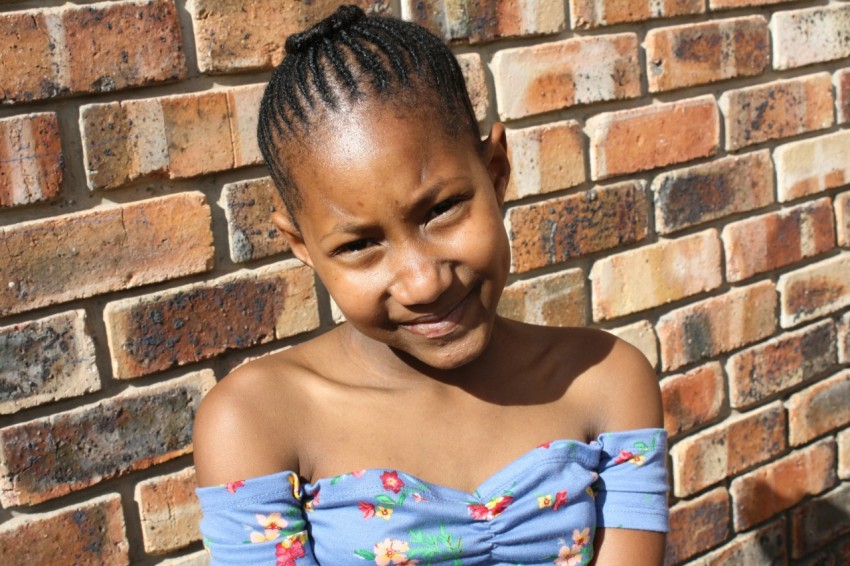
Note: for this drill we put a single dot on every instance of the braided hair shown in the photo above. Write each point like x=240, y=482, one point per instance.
x=349, y=57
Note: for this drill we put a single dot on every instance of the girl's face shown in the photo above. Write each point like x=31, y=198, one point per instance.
x=403, y=225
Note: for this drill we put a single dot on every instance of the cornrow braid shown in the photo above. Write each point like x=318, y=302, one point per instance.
x=346, y=58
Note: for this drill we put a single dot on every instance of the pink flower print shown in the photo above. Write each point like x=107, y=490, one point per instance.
x=569, y=556
x=391, y=552
x=582, y=537
x=560, y=499
x=418, y=498
x=358, y=474
x=545, y=445
x=479, y=512
x=391, y=481
x=272, y=525
x=623, y=456
x=288, y=551
x=234, y=485
x=367, y=509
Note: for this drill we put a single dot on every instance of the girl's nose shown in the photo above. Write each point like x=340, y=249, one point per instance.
x=419, y=278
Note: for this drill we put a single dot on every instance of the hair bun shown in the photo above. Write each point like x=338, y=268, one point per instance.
x=341, y=19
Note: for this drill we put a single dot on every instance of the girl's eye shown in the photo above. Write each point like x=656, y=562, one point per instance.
x=443, y=208
x=352, y=247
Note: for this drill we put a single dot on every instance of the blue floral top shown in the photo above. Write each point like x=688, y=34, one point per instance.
x=542, y=508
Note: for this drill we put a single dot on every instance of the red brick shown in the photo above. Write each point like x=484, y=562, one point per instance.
x=641, y=335
x=51, y=456
x=693, y=195
x=653, y=136
x=248, y=206
x=769, y=490
x=558, y=229
x=476, y=83
x=765, y=545
x=556, y=299
x=91, y=532
x=843, y=439
x=811, y=35
x=819, y=408
x=545, y=159
x=727, y=4
x=169, y=511
x=815, y=290
x=594, y=13
x=31, y=161
x=107, y=249
x=695, y=54
x=716, y=325
x=85, y=49
x=780, y=363
x=842, y=218
x=844, y=339
x=777, y=110
x=655, y=275
x=692, y=399
x=553, y=76
x=46, y=360
x=697, y=525
x=841, y=80
x=191, y=323
x=776, y=239
x=820, y=521
x=727, y=449
x=811, y=166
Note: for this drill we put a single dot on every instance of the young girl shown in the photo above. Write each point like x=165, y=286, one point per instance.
x=426, y=429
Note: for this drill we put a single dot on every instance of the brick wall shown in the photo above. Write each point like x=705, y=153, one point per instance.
x=682, y=179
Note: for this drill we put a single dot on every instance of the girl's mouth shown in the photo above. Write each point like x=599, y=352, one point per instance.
x=437, y=326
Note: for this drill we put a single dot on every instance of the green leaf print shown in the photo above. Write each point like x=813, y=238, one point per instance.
x=385, y=500
x=365, y=554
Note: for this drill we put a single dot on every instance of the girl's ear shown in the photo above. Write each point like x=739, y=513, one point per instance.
x=293, y=236
x=496, y=160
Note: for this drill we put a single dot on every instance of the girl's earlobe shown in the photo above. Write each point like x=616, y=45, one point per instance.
x=293, y=236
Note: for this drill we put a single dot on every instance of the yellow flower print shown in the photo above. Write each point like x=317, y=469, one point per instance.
x=272, y=525
x=383, y=512
x=545, y=501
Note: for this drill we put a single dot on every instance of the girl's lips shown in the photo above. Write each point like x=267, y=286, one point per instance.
x=438, y=327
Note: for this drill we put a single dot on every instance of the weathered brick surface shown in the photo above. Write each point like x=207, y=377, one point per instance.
x=811, y=35
x=728, y=4
x=641, y=335
x=476, y=83
x=693, y=398
x=169, y=510
x=652, y=136
x=765, y=545
x=559, y=229
x=780, y=363
x=51, y=456
x=727, y=449
x=815, y=290
x=697, y=525
x=31, y=160
x=656, y=274
x=777, y=110
x=87, y=253
x=45, y=360
x=843, y=439
x=557, y=299
x=248, y=207
x=87, y=533
x=820, y=408
x=716, y=325
x=820, y=521
x=841, y=81
x=200, y=558
x=811, y=166
x=777, y=239
x=545, y=159
x=844, y=339
x=553, y=76
x=842, y=218
x=777, y=486
x=693, y=195
x=195, y=322
x=694, y=54
x=85, y=49
x=595, y=13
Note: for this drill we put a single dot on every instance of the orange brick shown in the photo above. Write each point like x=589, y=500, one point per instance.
x=692, y=399
x=556, y=299
x=641, y=335
x=248, y=206
x=844, y=339
x=819, y=408
x=476, y=83
x=813, y=165
x=811, y=35
x=169, y=511
x=841, y=80
x=695, y=54
x=594, y=13
x=653, y=136
x=716, y=325
x=545, y=159
x=656, y=274
x=780, y=363
x=777, y=110
x=769, y=490
x=727, y=449
x=727, y=4
x=820, y=521
x=91, y=532
x=842, y=218
x=697, y=525
x=31, y=161
x=553, y=76
x=41, y=459
x=765, y=545
x=107, y=249
x=815, y=290
x=843, y=439
x=197, y=134
x=561, y=228
x=773, y=240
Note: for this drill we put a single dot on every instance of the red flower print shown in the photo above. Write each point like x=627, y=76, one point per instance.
x=545, y=444
x=479, y=512
x=234, y=485
x=624, y=456
x=286, y=555
x=560, y=499
x=367, y=509
x=391, y=481
x=491, y=509
x=499, y=504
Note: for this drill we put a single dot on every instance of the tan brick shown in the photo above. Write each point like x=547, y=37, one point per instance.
x=820, y=521
x=200, y=558
x=46, y=360
x=107, y=249
x=595, y=13
x=557, y=75
x=692, y=399
x=655, y=275
x=842, y=218
x=169, y=511
x=31, y=161
x=728, y=4
x=765, y=545
x=777, y=110
x=776, y=239
x=769, y=490
x=693, y=195
x=561, y=228
x=641, y=335
x=841, y=81
x=815, y=290
x=197, y=133
x=844, y=339
x=653, y=136
x=191, y=323
x=716, y=325
x=91, y=532
x=243, y=106
x=476, y=83
x=727, y=449
x=780, y=363
x=248, y=207
x=843, y=439
x=819, y=408
x=695, y=54
x=545, y=159
x=556, y=299
x=811, y=166
x=42, y=459
x=811, y=35
x=697, y=525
